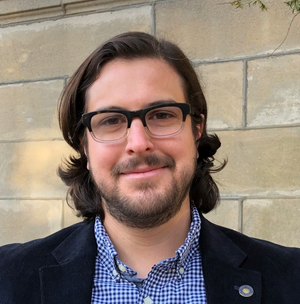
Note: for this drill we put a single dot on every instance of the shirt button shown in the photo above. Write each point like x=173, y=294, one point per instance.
x=122, y=268
x=181, y=270
x=147, y=300
x=115, y=273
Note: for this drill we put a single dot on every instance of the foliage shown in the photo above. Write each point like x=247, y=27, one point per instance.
x=294, y=5
x=240, y=4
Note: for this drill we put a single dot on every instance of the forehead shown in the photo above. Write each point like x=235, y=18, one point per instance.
x=134, y=84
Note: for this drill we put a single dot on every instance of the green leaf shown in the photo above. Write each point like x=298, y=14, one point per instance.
x=237, y=4
x=240, y=4
x=294, y=5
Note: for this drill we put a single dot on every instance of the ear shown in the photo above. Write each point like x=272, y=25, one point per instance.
x=199, y=133
x=200, y=128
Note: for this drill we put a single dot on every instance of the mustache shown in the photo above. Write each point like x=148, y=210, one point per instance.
x=150, y=160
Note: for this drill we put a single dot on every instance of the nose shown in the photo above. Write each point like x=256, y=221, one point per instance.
x=138, y=141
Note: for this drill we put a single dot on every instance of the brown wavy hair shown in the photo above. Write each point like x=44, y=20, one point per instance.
x=73, y=171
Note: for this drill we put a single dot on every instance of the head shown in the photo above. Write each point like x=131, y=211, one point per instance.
x=74, y=101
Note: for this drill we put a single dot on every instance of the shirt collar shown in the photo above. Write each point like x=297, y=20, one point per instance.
x=108, y=255
x=192, y=239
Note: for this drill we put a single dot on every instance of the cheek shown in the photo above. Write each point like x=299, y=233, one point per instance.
x=182, y=148
x=102, y=157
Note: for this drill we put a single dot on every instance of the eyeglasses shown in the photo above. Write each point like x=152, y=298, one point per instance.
x=160, y=121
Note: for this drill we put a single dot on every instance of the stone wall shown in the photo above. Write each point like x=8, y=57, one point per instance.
x=254, y=104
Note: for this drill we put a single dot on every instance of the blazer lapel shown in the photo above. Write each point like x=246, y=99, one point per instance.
x=223, y=275
x=71, y=279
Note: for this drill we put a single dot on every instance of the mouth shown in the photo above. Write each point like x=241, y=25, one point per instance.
x=142, y=169
x=143, y=172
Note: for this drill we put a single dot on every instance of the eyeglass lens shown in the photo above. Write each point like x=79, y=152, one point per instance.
x=160, y=122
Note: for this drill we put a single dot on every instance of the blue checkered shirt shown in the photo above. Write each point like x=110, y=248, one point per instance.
x=176, y=280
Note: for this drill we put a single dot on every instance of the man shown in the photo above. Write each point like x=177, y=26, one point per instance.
x=136, y=116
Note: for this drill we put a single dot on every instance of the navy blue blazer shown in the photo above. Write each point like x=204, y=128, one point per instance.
x=60, y=268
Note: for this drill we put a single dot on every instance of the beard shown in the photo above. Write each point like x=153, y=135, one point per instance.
x=149, y=208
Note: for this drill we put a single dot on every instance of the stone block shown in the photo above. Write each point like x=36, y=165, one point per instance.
x=226, y=214
x=222, y=84
x=17, y=6
x=70, y=217
x=262, y=162
x=28, y=110
x=274, y=91
x=57, y=47
x=213, y=29
x=24, y=220
x=79, y=6
x=31, y=15
x=28, y=169
x=275, y=220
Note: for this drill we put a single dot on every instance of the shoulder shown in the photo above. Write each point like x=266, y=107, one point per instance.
x=235, y=259
x=46, y=243
x=36, y=252
x=21, y=264
x=259, y=254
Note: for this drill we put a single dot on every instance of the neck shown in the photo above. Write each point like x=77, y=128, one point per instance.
x=140, y=249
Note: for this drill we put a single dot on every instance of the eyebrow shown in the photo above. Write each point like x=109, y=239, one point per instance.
x=153, y=103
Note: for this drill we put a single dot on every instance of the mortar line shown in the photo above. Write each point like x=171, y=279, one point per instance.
x=254, y=128
x=245, y=97
x=257, y=197
x=21, y=81
x=65, y=82
x=30, y=140
x=32, y=199
x=196, y=62
x=228, y=198
x=63, y=7
x=153, y=15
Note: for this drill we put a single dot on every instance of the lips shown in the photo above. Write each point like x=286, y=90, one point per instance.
x=141, y=170
x=142, y=173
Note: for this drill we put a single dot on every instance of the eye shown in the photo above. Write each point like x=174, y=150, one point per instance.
x=110, y=121
x=160, y=114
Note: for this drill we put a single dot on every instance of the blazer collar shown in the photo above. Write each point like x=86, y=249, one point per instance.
x=71, y=279
x=222, y=268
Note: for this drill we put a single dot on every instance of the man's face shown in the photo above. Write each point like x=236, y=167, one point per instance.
x=143, y=181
